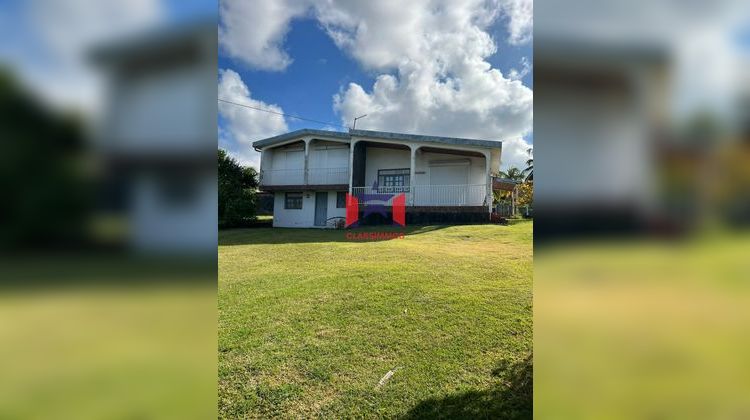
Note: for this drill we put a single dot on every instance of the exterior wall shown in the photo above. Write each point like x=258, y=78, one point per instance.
x=332, y=210
x=304, y=217
x=328, y=163
x=287, y=166
x=476, y=170
x=156, y=112
x=381, y=158
x=165, y=224
x=328, y=154
x=601, y=152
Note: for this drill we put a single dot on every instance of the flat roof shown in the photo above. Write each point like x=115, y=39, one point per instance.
x=386, y=135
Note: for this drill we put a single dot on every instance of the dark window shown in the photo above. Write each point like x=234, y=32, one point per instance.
x=178, y=191
x=293, y=200
x=340, y=199
x=393, y=180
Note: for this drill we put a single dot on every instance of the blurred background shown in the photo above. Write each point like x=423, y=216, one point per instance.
x=642, y=207
x=108, y=213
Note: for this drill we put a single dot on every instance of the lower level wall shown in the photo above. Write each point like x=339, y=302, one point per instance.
x=304, y=217
x=431, y=215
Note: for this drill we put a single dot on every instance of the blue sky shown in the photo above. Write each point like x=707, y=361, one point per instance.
x=320, y=70
x=434, y=78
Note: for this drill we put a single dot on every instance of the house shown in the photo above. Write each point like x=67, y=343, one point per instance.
x=443, y=179
x=156, y=139
x=599, y=108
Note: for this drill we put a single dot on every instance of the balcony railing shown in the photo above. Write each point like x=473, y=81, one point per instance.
x=425, y=195
x=315, y=176
x=328, y=176
x=282, y=177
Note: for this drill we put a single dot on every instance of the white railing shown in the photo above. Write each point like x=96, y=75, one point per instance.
x=426, y=195
x=282, y=177
x=327, y=176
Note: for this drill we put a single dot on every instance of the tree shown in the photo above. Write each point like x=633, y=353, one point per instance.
x=237, y=188
x=47, y=194
x=525, y=193
x=512, y=173
x=529, y=171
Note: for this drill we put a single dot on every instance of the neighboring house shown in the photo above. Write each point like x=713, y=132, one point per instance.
x=599, y=108
x=157, y=137
x=444, y=179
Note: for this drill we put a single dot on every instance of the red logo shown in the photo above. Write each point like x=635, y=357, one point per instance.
x=375, y=202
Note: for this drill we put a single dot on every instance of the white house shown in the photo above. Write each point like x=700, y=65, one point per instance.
x=444, y=179
x=157, y=137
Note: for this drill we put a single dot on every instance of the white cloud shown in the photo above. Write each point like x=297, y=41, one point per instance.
x=520, y=18
x=253, y=31
x=55, y=38
x=441, y=83
x=432, y=56
x=245, y=125
x=515, y=74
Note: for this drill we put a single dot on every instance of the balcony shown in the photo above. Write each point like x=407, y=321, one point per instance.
x=328, y=176
x=426, y=195
x=296, y=177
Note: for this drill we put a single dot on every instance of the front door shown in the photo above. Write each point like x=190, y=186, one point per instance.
x=321, y=208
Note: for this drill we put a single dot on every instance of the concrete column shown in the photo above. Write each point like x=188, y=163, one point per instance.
x=412, y=173
x=307, y=155
x=352, y=145
x=488, y=177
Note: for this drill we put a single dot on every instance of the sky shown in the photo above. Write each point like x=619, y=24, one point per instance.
x=448, y=68
x=47, y=43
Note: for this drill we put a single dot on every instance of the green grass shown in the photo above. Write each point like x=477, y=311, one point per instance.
x=309, y=323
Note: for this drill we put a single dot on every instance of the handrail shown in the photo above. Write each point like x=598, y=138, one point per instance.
x=428, y=195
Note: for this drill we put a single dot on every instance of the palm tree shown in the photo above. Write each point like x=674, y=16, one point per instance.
x=512, y=173
x=529, y=171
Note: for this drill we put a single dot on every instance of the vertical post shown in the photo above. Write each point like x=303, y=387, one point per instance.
x=352, y=145
x=488, y=180
x=307, y=155
x=412, y=173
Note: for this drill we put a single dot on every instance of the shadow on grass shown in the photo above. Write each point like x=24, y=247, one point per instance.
x=292, y=235
x=510, y=398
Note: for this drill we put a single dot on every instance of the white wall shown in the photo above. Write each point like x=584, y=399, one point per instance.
x=328, y=163
x=601, y=152
x=382, y=158
x=476, y=167
x=157, y=112
x=287, y=166
x=304, y=217
x=168, y=226
x=332, y=210
x=328, y=154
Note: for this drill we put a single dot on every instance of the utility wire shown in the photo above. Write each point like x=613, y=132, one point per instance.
x=281, y=113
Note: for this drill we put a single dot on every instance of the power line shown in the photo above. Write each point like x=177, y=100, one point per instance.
x=281, y=113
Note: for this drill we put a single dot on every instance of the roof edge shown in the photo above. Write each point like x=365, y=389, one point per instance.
x=496, y=144
x=299, y=133
x=458, y=141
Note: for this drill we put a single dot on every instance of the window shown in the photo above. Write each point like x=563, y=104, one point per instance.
x=293, y=200
x=177, y=191
x=341, y=199
x=393, y=180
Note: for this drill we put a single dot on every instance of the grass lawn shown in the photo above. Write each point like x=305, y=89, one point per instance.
x=309, y=323
x=636, y=328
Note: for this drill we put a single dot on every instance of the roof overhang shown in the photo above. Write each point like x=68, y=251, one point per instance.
x=298, y=135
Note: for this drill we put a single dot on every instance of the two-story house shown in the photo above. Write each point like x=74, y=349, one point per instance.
x=443, y=179
x=156, y=138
